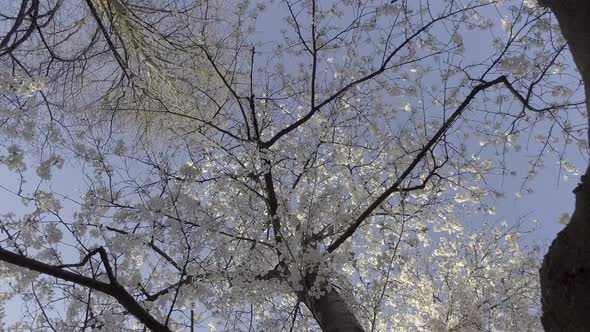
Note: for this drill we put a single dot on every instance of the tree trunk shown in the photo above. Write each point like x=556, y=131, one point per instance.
x=565, y=274
x=332, y=313
x=330, y=310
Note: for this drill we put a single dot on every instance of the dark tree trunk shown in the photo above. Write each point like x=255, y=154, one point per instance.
x=565, y=274
x=330, y=310
x=332, y=313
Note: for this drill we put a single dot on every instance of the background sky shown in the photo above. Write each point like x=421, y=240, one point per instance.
x=551, y=198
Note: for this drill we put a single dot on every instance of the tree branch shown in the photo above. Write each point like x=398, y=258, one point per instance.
x=431, y=143
x=379, y=71
x=113, y=288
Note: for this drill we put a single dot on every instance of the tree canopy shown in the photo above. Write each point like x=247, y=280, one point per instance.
x=278, y=165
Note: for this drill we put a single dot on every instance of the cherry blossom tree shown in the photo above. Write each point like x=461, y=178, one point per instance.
x=277, y=165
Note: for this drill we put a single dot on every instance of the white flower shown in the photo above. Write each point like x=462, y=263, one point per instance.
x=564, y=219
x=530, y=3
x=46, y=201
x=407, y=107
x=44, y=170
x=15, y=159
x=506, y=26
x=189, y=171
x=21, y=86
x=53, y=233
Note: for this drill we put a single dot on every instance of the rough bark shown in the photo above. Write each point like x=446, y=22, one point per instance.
x=332, y=313
x=565, y=274
x=330, y=310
